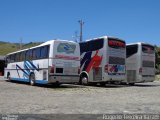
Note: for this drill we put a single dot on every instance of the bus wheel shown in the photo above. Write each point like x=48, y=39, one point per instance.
x=32, y=79
x=84, y=80
x=131, y=84
x=56, y=84
x=103, y=84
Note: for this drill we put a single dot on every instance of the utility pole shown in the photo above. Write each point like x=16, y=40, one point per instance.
x=81, y=30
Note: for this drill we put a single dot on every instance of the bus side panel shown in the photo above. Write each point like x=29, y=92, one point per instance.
x=21, y=70
x=40, y=69
x=91, y=62
x=17, y=72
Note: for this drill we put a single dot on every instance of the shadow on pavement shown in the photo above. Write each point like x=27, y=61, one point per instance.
x=152, y=84
x=146, y=85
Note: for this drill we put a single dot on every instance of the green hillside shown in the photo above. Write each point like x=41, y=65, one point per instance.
x=6, y=47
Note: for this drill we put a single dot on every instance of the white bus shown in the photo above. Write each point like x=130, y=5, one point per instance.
x=140, y=63
x=102, y=60
x=55, y=61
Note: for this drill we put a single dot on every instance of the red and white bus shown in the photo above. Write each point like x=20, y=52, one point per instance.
x=103, y=60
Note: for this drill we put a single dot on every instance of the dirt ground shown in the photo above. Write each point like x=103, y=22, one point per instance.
x=21, y=98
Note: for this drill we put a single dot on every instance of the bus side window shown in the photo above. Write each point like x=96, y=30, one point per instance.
x=45, y=52
x=42, y=52
x=20, y=56
x=17, y=57
x=12, y=58
x=34, y=54
x=23, y=56
x=83, y=47
x=95, y=44
x=38, y=53
x=30, y=55
x=27, y=55
x=131, y=49
x=7, y=60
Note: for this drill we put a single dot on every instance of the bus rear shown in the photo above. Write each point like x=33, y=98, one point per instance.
x=115, y=62
x=65, y=62
x=147, y=69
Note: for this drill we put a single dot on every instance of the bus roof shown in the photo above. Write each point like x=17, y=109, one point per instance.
x=103, y=37
x=43, y=44
x=139, y=43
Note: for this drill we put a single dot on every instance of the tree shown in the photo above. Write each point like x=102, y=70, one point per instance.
x=157, y=59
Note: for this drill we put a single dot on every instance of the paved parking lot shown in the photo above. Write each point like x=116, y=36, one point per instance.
x=22, y=98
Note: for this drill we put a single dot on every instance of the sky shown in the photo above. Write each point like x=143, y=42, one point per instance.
x=42, y=20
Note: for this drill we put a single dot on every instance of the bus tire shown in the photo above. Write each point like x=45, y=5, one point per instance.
x=103, y=84
x=131, y=84
x=56, y=84
x=84, y=80
x=32, y=79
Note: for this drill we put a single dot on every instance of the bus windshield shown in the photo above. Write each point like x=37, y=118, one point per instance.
x=147, y=49
x=115, y=43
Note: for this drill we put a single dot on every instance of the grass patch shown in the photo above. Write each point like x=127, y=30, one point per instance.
x=157, y=77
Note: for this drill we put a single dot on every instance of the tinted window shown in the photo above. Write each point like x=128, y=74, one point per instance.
x=12, y=58
x=17, y=55
x=148, y=49
x=95, y=44
x=34, y=54
x=30, y=54
x=38, y=53
x=45, y=52
x=20, y=56
x=83, y=47
x=23, y=55
x=27, y=55
x=8, y=59
x=131, y=49
x=92, y=45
